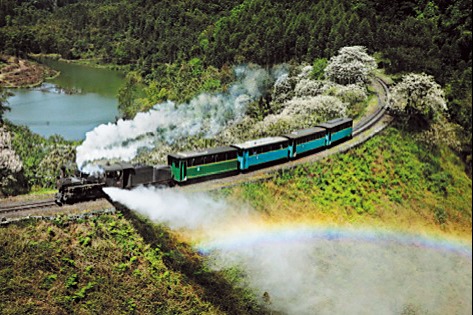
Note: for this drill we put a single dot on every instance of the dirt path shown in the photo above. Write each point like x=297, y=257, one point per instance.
x=16, y=73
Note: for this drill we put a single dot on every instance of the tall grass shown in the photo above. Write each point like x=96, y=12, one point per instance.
x=390, y=180
x=103, y=265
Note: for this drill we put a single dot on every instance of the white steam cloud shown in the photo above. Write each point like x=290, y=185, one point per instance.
x=302, y=271
x=206, y=115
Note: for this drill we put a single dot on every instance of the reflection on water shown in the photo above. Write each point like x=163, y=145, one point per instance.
x=80, y=99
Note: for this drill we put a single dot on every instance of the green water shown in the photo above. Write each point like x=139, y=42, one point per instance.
x=72, y=104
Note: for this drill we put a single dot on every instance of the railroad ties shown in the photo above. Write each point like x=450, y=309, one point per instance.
x=24, y=206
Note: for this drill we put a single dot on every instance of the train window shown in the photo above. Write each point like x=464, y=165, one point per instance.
x=222, y=157
x=114, y=174
x=199, y=161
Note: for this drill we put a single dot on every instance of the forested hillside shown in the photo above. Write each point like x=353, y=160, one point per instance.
x=430, y=36
x=172, y=42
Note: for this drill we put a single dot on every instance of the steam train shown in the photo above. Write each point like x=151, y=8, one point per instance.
x=197, y=166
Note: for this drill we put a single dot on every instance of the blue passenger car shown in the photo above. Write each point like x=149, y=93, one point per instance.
x=338, y=129
x=262, y=151
x=306, y=141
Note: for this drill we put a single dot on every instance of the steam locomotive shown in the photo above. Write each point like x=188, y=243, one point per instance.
x=203, y=165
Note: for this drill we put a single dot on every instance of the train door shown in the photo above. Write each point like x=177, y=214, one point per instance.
x=184, y=164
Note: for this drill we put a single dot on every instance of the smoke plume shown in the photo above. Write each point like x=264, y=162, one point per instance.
x=206, y=115
x=302, y=270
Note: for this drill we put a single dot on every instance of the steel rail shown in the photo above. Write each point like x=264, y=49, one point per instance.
x=364, y=124
x=26, y=206
x=371, y=120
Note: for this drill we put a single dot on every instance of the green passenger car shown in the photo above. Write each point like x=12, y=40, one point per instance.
x=201, y=164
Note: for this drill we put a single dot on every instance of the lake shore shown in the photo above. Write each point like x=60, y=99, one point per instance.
x=22, y=73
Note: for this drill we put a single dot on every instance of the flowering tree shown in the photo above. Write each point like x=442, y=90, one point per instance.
x=300, y=113
x=351, y=65
x=418, y=99
x=10, y=166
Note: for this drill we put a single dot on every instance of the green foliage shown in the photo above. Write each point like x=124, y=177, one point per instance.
x=48, y=281
x=440, y=215
x=47, y=269
x=72, y=281
x=318, y=69
x=178, y=82
x=42, y=158
x=428, y=36
x=127, y=95
x=4, y=95
x=388, y=172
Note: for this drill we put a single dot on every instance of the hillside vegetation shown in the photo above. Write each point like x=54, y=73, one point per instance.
x=414, y=35
x=102, y=265
x=390, y=181
x=121, y=263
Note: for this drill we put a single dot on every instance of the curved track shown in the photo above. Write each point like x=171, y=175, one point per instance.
x=363, y=125
x=368, y=121
x=364, y=129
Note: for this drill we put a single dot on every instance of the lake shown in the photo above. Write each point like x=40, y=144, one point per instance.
x=75, y=102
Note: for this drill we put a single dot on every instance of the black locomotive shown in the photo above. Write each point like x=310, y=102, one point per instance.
x=84, y=187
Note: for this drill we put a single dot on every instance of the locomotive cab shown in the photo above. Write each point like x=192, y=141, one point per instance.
x=117, y=175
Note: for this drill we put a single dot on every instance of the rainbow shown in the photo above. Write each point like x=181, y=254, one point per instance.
x=260, y=235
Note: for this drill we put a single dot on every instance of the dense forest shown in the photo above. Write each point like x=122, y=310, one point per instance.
x=413, y=35
x=163, y=39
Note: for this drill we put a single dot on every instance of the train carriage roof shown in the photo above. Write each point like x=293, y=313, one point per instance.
x=304, y=133
x=335, y=122
x=207, y=152
x=260, y=142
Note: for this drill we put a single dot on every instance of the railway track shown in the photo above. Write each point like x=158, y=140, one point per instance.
x=363, y=130
x=363, y=125
x=368, y=121
x=24, y=206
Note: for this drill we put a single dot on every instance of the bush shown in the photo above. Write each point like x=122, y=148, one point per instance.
x=12, y=180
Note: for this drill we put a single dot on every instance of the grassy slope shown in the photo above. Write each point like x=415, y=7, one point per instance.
x=102, y=265
x=391, y=181
x=112, y=264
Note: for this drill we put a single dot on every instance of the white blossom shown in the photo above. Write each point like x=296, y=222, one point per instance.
x=351, y=94
x=418, y=94
x=283, y=89
x=321, y=105
x=305, y=72
x=9, y=160
x=351, y=65
x=307, y=88
x=10, y=166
